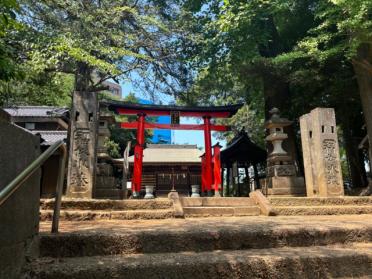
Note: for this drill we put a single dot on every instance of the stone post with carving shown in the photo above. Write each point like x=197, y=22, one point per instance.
x=281, y=174
x=321, y=153
x=83, y=140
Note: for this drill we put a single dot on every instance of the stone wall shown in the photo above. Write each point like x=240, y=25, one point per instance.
x=19, y=215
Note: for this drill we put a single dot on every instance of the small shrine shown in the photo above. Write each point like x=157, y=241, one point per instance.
x=281, y=178
x=241, y=153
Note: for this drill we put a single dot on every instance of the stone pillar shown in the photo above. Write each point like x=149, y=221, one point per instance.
x=83, y=140
x=321, y=153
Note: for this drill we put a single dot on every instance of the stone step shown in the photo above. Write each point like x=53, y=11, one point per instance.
x=311, y=201
x=95, y=204
x=323, y=210
x=211, y=201
x=88, y=215
x=312, y=262
x=109, y=241
x=201, y=211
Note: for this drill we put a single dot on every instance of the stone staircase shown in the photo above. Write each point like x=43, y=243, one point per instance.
x=321, y=206
x=211, y=248
x=86, y=210
x=163, y=208
x=207, y=207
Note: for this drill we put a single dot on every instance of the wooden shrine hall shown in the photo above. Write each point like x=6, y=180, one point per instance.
x=209, y=181
x=170, y=166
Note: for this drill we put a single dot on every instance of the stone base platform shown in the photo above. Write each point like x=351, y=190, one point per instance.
x=283, y=186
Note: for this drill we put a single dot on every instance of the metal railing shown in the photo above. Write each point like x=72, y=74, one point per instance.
x=30, y=170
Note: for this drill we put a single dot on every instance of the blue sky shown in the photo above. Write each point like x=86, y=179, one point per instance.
x=178, y=137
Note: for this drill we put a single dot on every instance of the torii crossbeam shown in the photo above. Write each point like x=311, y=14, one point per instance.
x=142, y=110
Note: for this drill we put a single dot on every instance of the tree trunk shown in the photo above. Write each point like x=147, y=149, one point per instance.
x=357, y=171
x=364, y=78
x=82, y=77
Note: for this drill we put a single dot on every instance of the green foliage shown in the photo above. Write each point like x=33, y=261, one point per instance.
x=8, y=10
x=242, y=48
x=112, y=148
x=8, y=24
x=49, y=89
x=235, y=51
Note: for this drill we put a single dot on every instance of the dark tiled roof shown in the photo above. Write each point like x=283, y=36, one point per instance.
x=36, y=111
x=242, y=149
x=50, y=137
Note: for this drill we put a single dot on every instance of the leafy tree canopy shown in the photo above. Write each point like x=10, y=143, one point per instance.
x=98, y=40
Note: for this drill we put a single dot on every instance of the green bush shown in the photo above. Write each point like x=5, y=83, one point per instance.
x=112, y=148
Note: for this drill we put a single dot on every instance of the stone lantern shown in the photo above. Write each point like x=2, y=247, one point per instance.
x=106, y=185
x=106, y=119
x=279, y=163
x=281, y=173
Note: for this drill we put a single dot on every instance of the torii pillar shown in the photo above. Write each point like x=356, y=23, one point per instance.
x=217, y=169
x=208, y=153
x=138, y=156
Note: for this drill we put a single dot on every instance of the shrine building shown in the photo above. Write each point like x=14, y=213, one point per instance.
x=170, y=166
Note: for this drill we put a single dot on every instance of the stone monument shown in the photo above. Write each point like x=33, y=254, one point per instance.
x=281, y=173
x=321, y=153
x=83, y=139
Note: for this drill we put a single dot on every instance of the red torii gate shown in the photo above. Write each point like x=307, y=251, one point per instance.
x=143, y=110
